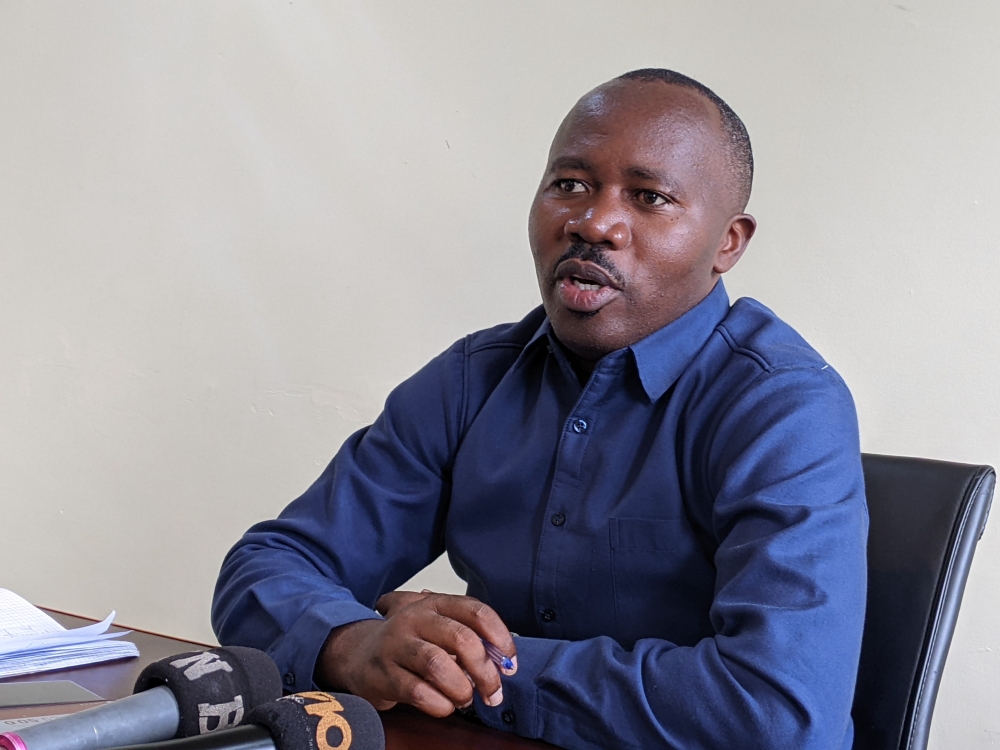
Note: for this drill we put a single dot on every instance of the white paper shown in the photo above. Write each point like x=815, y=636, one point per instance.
x=62, y=637
x=20, y=618
x=31, y=641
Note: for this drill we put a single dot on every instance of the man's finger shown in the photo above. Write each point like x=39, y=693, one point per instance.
x=482, y=620
x=381, y=705
x=410, y=688
x=434, y=665
x=390, y=603
x=468, y=650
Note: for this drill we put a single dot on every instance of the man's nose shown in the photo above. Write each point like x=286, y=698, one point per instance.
x=600, y=221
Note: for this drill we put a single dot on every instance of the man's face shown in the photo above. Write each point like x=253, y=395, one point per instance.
x=634, y=219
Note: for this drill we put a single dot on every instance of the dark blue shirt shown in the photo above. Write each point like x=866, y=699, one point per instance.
x=679, y=542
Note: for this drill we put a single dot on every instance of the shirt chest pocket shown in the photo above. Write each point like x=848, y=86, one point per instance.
x=663, y=582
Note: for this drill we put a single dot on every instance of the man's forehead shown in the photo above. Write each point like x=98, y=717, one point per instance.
x=647, y=111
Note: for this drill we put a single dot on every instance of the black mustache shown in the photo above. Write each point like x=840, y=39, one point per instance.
x=596, y=254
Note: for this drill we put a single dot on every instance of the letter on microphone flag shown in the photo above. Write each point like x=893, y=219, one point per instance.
x=201, y=664
x=328, y=709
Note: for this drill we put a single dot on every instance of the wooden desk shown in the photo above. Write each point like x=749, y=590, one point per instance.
x=405, y=728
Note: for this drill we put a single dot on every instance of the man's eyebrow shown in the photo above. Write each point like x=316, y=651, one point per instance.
x=644, y=173
x=572, y=163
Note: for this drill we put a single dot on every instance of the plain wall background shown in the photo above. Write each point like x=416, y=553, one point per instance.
x=228, y=229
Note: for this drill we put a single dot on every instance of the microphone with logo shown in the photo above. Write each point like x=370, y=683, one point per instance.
x=304, y=721
x=188, y=694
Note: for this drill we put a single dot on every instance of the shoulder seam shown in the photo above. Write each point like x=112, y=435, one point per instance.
x=463, y=411
x=493, y=345
x=469, y=349
x=750, y=354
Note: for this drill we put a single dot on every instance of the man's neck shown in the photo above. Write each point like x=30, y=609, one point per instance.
x=582, y=366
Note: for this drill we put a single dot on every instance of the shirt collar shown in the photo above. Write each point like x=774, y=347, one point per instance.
x=544, y=330
x=663, y=355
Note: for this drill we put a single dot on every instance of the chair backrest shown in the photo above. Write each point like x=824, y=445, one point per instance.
x=926, y=517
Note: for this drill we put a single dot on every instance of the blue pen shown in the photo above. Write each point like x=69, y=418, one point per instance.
x=498, y=657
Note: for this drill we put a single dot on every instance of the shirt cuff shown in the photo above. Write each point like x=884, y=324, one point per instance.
x=296, y=653
x=519, y=711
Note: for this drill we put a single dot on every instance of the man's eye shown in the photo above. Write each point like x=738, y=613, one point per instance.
x=570, y=186
x=651, y=198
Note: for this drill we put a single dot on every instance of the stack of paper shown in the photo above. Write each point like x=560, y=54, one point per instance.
x=31, y=641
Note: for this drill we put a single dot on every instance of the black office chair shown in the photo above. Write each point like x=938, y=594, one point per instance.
x=926, y=517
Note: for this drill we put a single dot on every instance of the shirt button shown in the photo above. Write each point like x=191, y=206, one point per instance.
x=289, y=678
x=548, y=615
x=507, y=716
x=558, y=519
x=579, y=425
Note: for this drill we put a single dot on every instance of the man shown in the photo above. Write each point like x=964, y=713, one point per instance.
x=659, y=493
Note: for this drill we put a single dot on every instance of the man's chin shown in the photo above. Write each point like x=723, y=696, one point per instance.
x=585, y=334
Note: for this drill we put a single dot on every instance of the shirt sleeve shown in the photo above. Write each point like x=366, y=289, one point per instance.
x=369, y=523
x=788, y=515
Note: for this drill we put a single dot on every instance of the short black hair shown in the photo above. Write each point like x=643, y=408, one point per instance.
x=740, y=154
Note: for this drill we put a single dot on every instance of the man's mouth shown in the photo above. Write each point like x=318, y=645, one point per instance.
x=584, y=287
x=584, y=273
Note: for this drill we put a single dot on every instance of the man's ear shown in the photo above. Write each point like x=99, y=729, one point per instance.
x=734, y=242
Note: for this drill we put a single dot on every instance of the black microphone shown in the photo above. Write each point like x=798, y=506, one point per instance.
x=180, y=696
x=304, y=721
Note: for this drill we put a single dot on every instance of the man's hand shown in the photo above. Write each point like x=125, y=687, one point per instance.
x=428, y=652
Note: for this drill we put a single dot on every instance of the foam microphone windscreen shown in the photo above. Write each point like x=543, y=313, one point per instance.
x=321, y=721
x=214, y=689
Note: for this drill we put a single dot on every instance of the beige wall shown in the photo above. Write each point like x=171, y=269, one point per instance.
x=227, y=229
